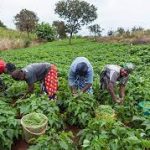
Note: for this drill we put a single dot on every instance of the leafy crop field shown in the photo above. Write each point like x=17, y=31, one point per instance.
x=128, y=128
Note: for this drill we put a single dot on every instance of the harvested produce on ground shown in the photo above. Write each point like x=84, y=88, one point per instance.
x=34, y=119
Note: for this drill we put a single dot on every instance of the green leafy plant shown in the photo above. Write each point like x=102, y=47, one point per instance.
x=80, y=109
x=45, y=32
x=9, y=126
x=54, y=140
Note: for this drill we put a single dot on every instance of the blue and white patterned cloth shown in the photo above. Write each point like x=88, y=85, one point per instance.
x=79, y=81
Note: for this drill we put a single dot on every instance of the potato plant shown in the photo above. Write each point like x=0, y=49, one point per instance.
x=80, y=109
x=9, y=126
x=54, y=140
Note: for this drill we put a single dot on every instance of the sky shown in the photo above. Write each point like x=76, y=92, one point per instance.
x=111, y=13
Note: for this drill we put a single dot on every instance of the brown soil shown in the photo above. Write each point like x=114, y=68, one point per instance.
x=74, y=130
x=20, y=145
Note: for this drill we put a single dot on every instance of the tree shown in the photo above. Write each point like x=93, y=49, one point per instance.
x=60, y=28
x=2, y=24
x=128, y=33
x=120, y=30
x=26, y=20
x=45, y=32
x=95, y=29
x=136, y=29
x=110, y=33
x=76, y=13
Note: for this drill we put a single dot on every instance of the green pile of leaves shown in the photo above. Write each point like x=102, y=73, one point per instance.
x=34, y=119
x=54, y=140
x=80, y=109
x=9, y=126
x=42, y=104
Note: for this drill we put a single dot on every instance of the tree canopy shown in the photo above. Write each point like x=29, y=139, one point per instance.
x=2, y=24
x=26, y=20
x=95, y=29
x=60, y=28
x=76, y=13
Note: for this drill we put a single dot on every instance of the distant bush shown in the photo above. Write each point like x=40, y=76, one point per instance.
x=2, y=24
x=27, y=43
x=45, y=32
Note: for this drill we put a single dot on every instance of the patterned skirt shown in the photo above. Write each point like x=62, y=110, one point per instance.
x=51, y=82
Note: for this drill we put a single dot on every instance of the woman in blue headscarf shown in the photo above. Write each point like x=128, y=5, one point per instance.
x=80, y=76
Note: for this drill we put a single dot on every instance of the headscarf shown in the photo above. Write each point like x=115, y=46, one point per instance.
x=82, y=69
x=129, y=67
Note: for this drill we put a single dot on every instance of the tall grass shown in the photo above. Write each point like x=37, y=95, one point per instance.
x=13, y=34
x=12, y=39
x=138, y=37
x=6, y=43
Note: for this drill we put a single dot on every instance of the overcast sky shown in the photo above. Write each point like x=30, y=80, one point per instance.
x=111, y=13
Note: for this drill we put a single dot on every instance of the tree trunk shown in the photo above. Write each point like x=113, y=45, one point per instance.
x=28, y=34
x=70, y=38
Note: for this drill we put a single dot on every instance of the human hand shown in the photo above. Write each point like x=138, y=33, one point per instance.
x=80, y=93
x=23, y=96
x=75, y=95
x=119, y=100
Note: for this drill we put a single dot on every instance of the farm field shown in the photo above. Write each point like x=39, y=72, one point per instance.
x=80, y=123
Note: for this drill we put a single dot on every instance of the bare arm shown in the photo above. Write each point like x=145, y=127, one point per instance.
x=73, y=89
x=30, y=88
x=71, y=80
x=111, y=91
x=122, y=91
x=86, y=87
x=29, y=91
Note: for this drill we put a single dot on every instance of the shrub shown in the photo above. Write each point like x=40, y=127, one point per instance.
x=27, y=43
x=45, y=32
